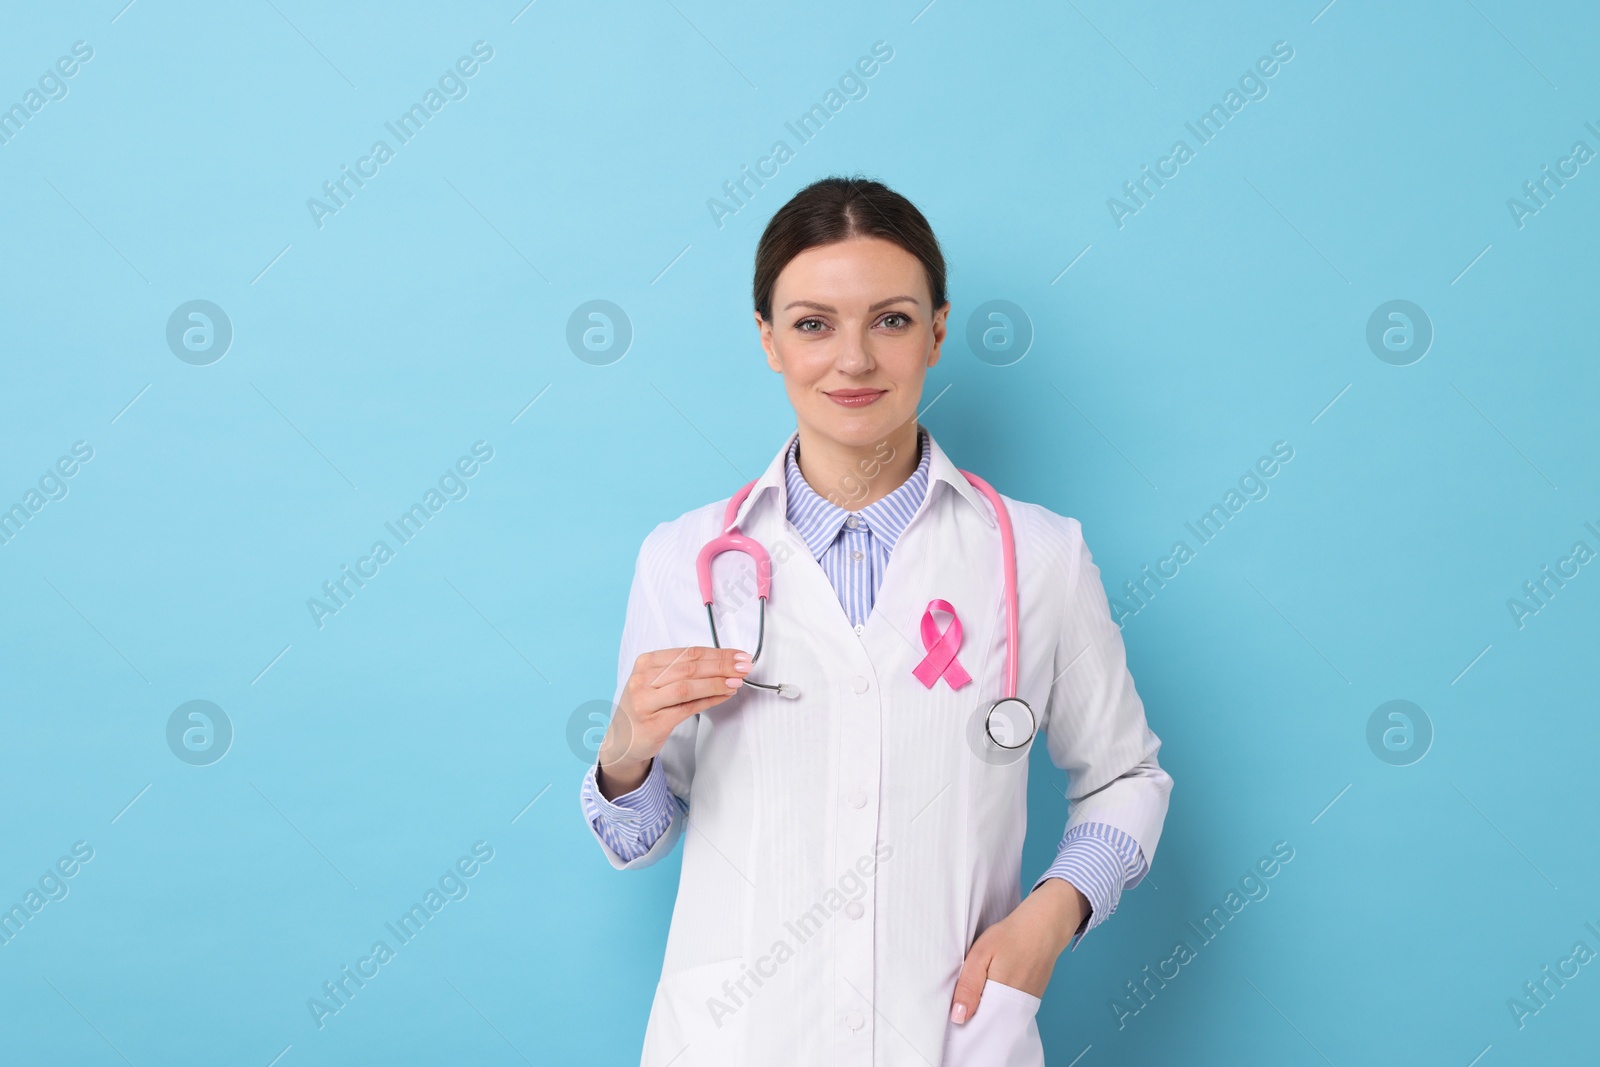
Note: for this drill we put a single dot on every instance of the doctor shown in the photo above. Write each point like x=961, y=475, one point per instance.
x=838, y=753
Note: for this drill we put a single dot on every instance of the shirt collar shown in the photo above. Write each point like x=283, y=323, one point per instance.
x=940, y=471
x=818, y=519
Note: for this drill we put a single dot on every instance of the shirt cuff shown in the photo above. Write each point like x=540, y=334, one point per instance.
x=1099, y=861
x=634, y=821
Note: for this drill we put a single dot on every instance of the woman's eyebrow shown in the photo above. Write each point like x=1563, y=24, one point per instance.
x=824, y=307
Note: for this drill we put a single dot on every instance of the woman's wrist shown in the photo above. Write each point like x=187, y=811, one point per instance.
x=1063, y=908
x=621, y=777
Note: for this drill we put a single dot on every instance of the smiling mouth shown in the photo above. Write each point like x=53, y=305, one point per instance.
x=855, y=398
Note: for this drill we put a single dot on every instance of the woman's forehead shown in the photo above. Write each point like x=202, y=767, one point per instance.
x=857, y=273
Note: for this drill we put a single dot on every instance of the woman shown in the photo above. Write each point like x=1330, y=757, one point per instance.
x=850, y=890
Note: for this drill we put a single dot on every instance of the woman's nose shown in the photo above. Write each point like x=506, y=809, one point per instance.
x=854, y=356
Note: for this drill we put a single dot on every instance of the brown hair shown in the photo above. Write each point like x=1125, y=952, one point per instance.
x=837, y=209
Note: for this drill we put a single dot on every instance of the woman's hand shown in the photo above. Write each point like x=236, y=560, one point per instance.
x=1020, y=950
x=666, y=687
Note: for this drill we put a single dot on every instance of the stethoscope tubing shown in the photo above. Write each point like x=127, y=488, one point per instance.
x=761, y=637
x=1008, y=569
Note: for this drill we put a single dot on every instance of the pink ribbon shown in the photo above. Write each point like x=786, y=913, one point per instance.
x=940, y=662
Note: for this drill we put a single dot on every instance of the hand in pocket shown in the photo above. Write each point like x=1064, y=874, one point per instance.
x=1004, y=1033
x=1020, y=950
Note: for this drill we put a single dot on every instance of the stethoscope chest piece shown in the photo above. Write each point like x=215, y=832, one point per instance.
x=1010, y=723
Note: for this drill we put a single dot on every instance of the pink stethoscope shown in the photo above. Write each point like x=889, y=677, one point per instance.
x=1008, y=712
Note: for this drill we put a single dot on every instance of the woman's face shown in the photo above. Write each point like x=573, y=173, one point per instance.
x=853, y=335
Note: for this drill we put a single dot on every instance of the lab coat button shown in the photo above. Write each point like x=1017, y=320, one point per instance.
x=855, y=1020
x=858, y=799
x=859, y=685
x=853, y=909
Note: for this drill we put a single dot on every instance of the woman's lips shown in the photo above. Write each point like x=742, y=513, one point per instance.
x=854, y=398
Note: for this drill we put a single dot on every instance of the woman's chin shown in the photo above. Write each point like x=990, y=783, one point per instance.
x=857, y=429
x=864, y=424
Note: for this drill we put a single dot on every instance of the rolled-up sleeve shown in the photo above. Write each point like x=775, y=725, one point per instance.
x=1100, y=861
x=1095, y=725
x=630, y=825
x=637, y=829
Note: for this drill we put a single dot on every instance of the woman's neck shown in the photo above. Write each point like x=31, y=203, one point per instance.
x=853, y=477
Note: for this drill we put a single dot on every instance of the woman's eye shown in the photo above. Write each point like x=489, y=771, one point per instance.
x=895, y=320
x=804, y=325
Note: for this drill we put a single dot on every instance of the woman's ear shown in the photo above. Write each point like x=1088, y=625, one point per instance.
x=765, y=329
x=939, y=318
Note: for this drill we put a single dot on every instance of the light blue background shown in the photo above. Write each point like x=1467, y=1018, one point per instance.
x=369, y=354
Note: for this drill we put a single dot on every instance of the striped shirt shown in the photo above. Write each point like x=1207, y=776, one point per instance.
x=853, y=549
x=853, y=546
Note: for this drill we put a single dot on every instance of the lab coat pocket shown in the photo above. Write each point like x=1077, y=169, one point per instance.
x=696, y=1018
x=1003, y=1033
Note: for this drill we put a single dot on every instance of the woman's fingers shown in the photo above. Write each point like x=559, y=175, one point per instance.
x=695, y=707
x=673, y=676
x=969, y=987
x=671, y=684
x=675, y=694
x=673, y=664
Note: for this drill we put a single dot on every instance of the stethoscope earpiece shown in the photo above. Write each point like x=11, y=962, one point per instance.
x=783, y=689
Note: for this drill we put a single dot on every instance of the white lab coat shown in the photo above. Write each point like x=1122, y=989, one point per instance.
x=844, y=849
